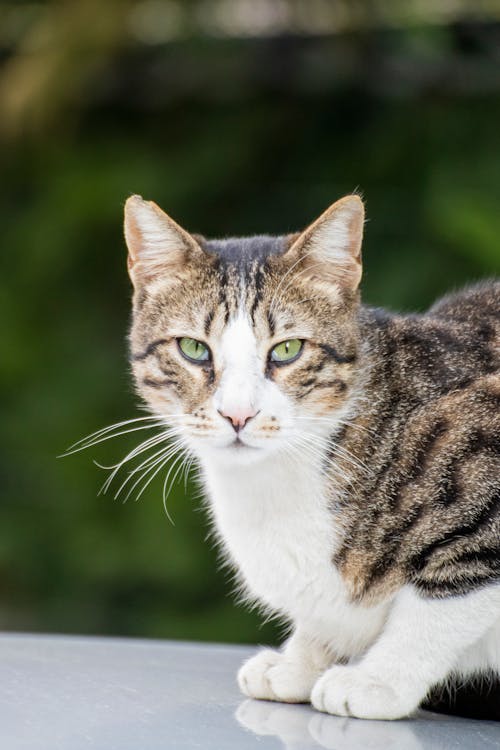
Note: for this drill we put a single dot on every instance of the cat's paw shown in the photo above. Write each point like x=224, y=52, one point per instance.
x=271, y=676
x=350, y=691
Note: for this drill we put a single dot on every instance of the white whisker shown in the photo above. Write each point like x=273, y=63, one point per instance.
x=148, y=482
x=146, y=464
x=166, y=492
x=118, y=425
x=335, y=448
x=178, y=471
x=150, y=443
x=334, y=421
x=109, y=437
x=159, y=463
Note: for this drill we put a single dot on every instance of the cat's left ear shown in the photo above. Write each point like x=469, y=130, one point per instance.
x=329, y=250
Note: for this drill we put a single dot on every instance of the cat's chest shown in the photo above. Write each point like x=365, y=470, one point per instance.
x=278, y=530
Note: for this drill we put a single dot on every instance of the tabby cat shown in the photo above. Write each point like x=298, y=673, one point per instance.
x=351, y=456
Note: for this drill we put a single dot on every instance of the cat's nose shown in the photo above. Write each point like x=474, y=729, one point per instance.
x=238, y=417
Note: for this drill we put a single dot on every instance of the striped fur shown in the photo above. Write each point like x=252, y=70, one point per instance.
x=402, y=411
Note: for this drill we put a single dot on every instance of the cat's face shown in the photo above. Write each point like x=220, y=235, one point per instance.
x=245, y=346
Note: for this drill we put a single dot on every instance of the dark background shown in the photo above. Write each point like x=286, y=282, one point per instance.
x=237, y=117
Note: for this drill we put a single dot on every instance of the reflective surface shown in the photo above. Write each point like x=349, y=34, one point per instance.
x=74, y=693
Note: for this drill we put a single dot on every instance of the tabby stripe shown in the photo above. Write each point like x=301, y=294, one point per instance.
x=418, y=464
x=420, y=459
x=271, y=323
x=392, y=539
x=223, y=282
x=158, y=383
x=492, y=397
x=149, y=350
x=308, y=382
x=315, y=367
x=391, y=543
x=477, y=442
x=140, y=298
x=258, y=281
x=392, y=490
x=208, y=323
x=419, y=561
x=448, y=492
x=339, y=384
x=440, y=589
x=490, y=555
x=341, y=359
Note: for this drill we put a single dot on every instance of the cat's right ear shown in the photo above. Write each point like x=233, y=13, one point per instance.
x=155, y=242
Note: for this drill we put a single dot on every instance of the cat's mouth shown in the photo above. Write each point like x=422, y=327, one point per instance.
x=239, y=444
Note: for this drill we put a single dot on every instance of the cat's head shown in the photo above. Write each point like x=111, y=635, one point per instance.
x=245, y=346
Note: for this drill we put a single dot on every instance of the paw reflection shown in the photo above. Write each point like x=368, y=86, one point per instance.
x=289, y=723
x=337, y=733
x=301, y=728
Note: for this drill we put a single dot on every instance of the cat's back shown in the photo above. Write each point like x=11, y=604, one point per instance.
x=470, y=305
x=469, y=323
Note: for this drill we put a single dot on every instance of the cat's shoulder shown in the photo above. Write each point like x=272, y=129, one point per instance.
x=444, y=349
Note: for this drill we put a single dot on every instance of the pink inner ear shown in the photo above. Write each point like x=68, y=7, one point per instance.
x=331, y=246
x=356, y=233
x=346, y=277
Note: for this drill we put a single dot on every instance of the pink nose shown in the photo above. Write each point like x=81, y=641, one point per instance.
x=239, y=417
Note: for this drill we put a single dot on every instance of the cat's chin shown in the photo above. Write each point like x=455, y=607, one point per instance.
x=235, y=453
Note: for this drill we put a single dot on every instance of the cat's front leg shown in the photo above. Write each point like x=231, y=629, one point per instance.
x=420, y=646
x=286, y=675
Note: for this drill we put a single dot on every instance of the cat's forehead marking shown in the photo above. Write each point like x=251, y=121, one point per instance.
x=242, y=273
x=243, y=252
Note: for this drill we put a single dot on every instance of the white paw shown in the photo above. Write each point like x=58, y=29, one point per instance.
x=271, y=676
x=349, y=691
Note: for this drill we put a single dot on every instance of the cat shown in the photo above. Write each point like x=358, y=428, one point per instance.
x=351, y=456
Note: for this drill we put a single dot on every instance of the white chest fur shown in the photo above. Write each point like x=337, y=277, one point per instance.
x=274, y=523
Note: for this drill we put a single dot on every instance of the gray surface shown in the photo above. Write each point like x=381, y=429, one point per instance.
x=73, y=693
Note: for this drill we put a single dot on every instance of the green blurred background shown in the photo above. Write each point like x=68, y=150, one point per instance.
x=237, y=117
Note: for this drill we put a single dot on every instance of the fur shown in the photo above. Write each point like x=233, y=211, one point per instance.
x=355, y=490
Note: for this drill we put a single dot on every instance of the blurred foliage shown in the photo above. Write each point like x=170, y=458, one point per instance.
x=235, y=124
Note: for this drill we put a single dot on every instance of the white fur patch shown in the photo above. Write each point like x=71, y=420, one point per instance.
x=274, y=522
x=242, y=380
x=420, y=646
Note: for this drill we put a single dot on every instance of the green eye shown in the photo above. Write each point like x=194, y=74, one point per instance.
x=194, y=350
x=287, y=351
